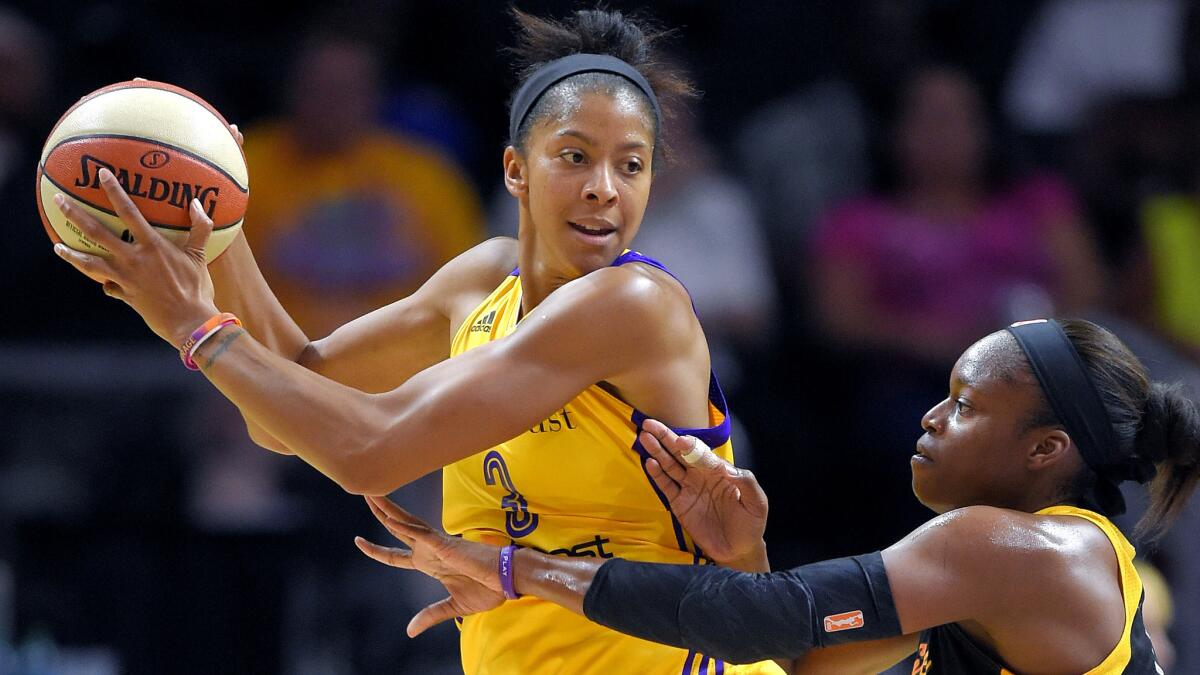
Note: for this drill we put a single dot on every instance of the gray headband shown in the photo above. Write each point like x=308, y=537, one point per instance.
x=560, y=69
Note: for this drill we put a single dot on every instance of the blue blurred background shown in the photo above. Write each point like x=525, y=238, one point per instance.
x=865, y=188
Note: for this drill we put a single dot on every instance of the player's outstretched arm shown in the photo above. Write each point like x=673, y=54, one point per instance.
x=408, y=335
x=374, y=354
x=606, y=326
x=851, y=615
x=469, y=571
x=471, y=568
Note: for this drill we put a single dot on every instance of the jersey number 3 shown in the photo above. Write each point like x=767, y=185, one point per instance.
x=517, y=519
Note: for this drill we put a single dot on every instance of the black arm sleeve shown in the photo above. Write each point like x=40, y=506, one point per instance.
x=740, y=617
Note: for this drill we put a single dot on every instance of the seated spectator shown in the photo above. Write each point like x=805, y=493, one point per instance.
x=345, y=216
x=903, y=278
x=950, y=251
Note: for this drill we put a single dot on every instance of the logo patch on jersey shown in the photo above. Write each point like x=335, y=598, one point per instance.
x=844, y=621
x=518, y=520
x=484, y=324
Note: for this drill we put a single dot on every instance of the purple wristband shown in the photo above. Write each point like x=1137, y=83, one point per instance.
x=506, y=571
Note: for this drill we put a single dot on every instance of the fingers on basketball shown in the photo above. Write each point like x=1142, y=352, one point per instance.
x=86, y=222
x=202, y=228
x=125, y=208
x=92, y=266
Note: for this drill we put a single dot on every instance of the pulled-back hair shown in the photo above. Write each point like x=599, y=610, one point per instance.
x=1156, y=426
x=635, y=40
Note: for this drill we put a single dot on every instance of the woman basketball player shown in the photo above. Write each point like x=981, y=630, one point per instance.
x=545, y=352
x=1022, y=573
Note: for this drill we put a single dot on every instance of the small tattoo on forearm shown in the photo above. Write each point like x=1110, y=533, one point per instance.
x=226, y=341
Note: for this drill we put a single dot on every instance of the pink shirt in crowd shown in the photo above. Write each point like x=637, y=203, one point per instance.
x=967, y=276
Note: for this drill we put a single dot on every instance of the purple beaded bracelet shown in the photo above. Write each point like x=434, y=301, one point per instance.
x=506, y=571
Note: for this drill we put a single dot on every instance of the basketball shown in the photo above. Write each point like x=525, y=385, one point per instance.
x=165, y=145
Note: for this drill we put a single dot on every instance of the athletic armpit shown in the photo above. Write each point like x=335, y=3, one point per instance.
x=380, y=351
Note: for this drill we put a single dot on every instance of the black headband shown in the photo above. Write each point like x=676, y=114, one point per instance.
x=1073, y=397
x=560, y=69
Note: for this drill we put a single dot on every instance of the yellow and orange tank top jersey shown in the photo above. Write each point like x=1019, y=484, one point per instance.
x=573, y=485
x=947, y=649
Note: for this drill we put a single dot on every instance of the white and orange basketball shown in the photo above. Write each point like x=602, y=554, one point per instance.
x=164, y=144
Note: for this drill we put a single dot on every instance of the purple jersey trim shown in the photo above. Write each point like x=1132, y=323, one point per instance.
x=713, y=437
x=720, y=667
x=680, y=541
x=704, y=664
x=687, y=665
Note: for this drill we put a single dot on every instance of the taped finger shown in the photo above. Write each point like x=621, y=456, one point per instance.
x=696, y=454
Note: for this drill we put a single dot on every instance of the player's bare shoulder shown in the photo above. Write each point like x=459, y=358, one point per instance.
x=469, y=277
x=1003, y=543
x=646, y=294
x=484, y=265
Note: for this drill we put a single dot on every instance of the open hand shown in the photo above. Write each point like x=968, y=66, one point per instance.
x=721, y=506
x=469, y=571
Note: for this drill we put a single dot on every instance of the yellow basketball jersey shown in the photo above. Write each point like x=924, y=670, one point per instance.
x=573, y=485
x=948, y=649
x=1133, y=653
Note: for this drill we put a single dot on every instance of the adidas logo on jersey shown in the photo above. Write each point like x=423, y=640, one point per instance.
x=484, y=324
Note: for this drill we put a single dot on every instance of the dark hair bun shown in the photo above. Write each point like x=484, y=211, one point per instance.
x=1169, y=437
x=588, y=31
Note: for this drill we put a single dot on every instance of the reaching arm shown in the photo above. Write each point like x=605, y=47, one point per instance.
x=590, y=330
x=846, y=615
x=616, y=324
x=708, y=608
x=375, y=353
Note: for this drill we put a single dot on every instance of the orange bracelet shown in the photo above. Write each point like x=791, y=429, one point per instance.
x=205, y=331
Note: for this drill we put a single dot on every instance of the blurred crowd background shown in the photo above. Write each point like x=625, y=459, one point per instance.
x=866, y=187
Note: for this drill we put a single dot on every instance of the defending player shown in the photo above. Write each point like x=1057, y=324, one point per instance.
x=1022, y=572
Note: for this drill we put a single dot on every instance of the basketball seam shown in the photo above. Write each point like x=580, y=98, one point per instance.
x=137, y=85
x=214, y=167
x=114, y=213
x=195, y=100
